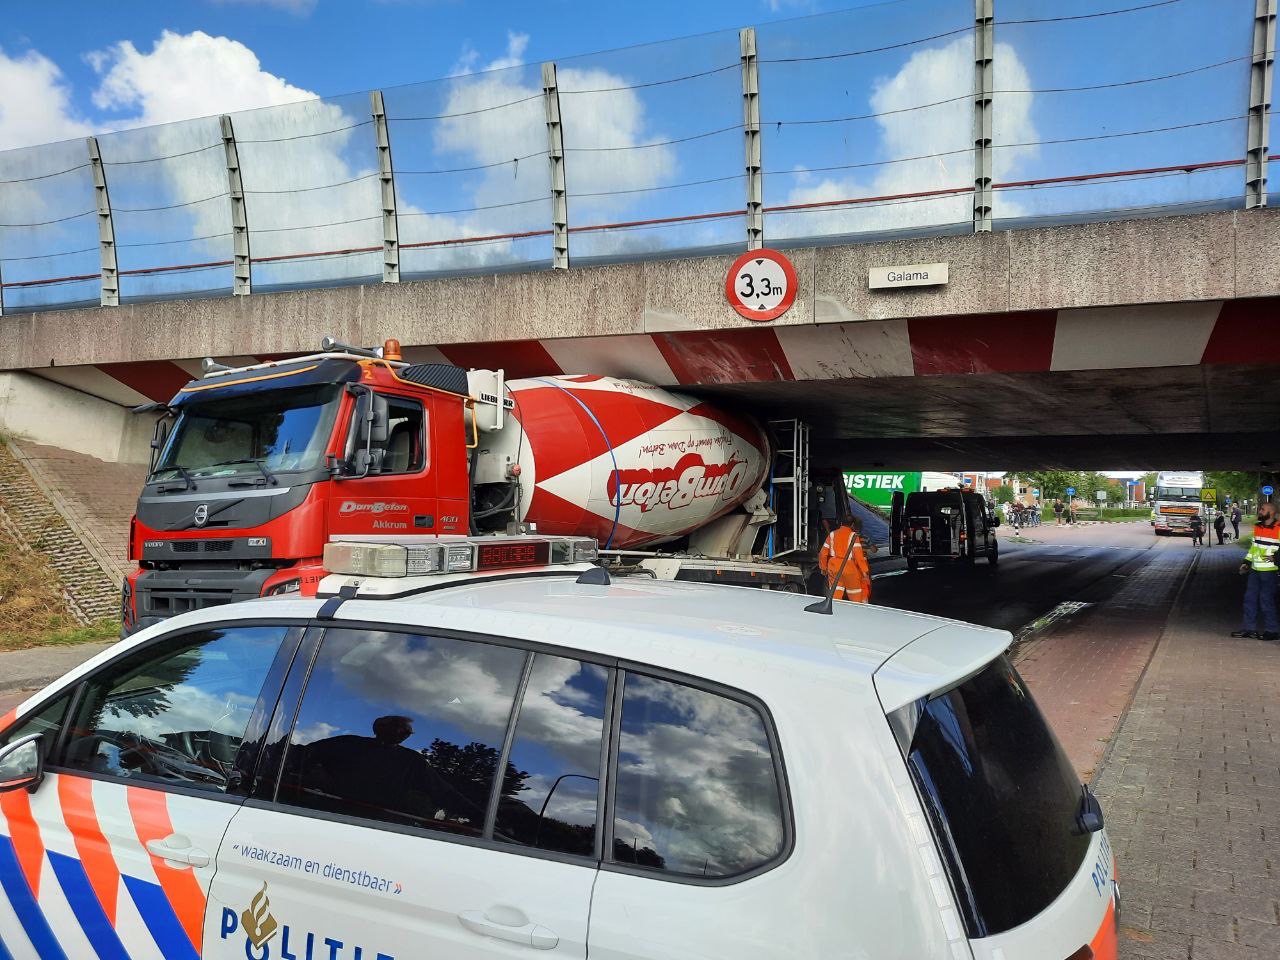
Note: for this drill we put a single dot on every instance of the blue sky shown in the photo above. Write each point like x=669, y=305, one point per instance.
x=333, y=47
x=856, y=104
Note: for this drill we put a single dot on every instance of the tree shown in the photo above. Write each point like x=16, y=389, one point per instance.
x=1052, y=483
x=1004, y=493
x=1236, y=484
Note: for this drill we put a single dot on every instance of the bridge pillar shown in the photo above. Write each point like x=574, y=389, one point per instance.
x=106, y=230
x=555, y=155
x=751, y=129
x=242, y=263
x=387, y=183
x=983, y=84
x=1260, y=71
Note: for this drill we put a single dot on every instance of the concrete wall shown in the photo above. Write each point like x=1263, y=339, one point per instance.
x=1213, y=256
x=61, y=417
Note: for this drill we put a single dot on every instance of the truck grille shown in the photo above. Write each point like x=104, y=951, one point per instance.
x=201, y=546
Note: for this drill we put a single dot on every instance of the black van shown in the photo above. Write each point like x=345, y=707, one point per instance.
x=943, y=526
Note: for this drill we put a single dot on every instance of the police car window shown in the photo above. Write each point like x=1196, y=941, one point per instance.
x=175, y=713
x=402, y=728
x=548, y=798
x=697, y=789
x=1002, y=796
x=46, y=721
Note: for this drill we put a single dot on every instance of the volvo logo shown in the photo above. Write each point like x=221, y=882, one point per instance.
x=201, y=515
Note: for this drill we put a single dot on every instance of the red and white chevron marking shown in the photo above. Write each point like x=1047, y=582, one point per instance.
x=1102, y=338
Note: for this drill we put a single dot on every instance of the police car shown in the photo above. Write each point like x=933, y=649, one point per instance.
x=482, y=748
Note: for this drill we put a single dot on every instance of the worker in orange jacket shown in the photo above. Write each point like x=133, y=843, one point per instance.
x=855, y=581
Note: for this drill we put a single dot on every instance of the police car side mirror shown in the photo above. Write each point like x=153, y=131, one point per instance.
x=22, y=764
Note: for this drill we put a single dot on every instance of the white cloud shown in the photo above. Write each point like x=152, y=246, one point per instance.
x=928, y=76
x=35, y=102
x=184, y=76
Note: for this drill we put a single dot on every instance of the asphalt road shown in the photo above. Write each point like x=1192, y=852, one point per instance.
x=1039, y=570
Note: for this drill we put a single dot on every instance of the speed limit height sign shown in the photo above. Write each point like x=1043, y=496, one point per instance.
x=761, y=285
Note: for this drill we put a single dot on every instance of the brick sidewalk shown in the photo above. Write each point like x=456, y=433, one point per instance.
x=1084, y=671
x=1192, y=785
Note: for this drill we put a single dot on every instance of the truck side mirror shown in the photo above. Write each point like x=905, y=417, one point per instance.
x=159, y=437
x=378, y=421
x=371, y=419
x=22, y=764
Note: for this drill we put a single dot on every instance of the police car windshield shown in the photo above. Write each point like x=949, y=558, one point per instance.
x=1002, y=797
x=257, y=434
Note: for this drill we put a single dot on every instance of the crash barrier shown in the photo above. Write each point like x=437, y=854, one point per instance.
x=918, y=117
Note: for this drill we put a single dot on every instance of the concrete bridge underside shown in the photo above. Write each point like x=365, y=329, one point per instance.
x=1144, y=343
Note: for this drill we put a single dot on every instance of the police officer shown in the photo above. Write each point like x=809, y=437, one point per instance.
x=1260, y=567
x=855, y=581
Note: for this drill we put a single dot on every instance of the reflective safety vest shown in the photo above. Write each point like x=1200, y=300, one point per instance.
x=1262, y=552
x=855, y=582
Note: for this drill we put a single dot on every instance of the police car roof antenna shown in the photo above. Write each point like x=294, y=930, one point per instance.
x=823, y=606
x=595, y=576
x=347, y=591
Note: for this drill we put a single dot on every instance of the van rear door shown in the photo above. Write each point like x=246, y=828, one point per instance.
x=1030, y=878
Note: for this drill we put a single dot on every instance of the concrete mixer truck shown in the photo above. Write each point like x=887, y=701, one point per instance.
x=254, y=469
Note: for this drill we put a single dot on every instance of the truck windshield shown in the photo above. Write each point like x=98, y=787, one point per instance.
x=1002, y=797
x=1178, y=493
x=274, y=431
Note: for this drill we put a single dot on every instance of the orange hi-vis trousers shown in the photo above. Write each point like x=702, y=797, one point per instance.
x=855, y=582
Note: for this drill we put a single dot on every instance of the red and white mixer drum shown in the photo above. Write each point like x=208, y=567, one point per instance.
x=625, y=462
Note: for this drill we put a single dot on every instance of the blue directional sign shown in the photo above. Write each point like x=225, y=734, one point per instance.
x=1071, y=491
x=1035, y=492
x=1268, y=490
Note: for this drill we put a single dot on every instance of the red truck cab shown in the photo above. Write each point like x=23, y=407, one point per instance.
x=256, y=468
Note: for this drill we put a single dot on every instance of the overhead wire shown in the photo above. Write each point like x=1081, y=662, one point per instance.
x=167, y=156
x=737, y=128
x=304, y=136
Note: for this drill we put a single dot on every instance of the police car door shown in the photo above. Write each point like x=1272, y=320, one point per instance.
x=389, y=833
x=112, y=854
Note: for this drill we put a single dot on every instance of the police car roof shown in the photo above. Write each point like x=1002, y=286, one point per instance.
x=680, y=626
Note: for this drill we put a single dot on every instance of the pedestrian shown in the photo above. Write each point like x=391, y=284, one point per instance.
x=1235, y=521
x=1197, y=531
x=1035, y=514
x=1057, y=512
x=1260, y=567
x=1220, y=526
x=855, y=580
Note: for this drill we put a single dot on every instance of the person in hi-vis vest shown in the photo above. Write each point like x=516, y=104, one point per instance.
x=855, y=581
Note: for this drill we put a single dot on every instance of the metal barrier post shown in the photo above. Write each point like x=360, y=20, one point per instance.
x=1260, y=70
x=751, y=130
x=242, y=268
x=106, y=231
x=983, y=84
x=555, y=153
x=387, y=182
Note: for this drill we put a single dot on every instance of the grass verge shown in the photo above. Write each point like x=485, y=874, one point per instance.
x=33, y=611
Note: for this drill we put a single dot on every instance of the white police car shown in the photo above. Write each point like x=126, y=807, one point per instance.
x=545, y=762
